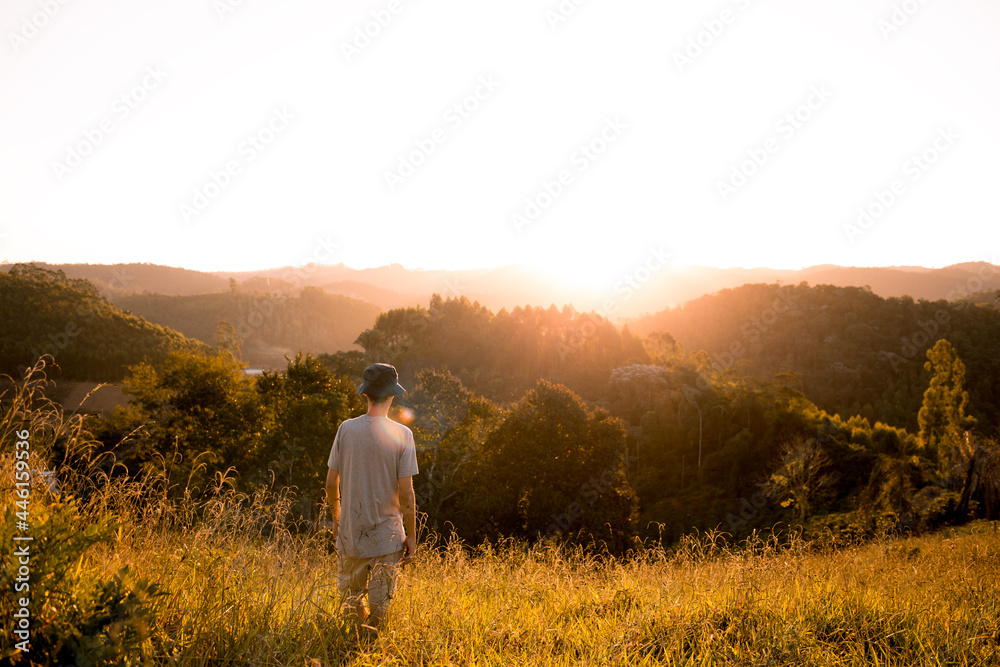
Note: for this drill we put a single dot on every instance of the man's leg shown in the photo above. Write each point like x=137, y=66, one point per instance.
x=381, y=588
x=352, y=582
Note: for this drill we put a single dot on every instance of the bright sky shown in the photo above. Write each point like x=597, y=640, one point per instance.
x=246, y=134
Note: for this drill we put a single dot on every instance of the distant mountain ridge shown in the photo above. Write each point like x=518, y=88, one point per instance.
x=510, y=286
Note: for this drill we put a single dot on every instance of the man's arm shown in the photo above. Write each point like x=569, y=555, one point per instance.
x=333, y=497
x=408, y=504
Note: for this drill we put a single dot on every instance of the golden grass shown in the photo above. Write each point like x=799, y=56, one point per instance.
x=922, y=601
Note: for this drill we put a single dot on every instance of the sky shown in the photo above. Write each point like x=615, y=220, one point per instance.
x=581, y=137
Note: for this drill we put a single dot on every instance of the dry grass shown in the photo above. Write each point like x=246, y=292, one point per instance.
x=239, y=588
x=922, y=601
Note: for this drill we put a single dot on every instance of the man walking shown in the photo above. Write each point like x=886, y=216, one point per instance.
x=369, y=487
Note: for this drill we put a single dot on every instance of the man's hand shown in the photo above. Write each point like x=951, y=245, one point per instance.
x=408, y=505
x=333, y=499
x=409, y=550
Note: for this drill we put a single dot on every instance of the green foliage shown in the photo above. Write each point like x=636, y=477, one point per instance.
x=73, y=617
x=199, y=421
x=450, y=425
x=43, y=312
x=305, y=405
x=942, y=417
x=738, y=424
x=801, y=476
x=202, y=407
x=502, y=355
x=350, y=364
x=556, y=467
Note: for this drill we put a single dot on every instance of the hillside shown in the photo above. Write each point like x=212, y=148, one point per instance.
x=395, y=286
x=271, y=325
x=854, y=352
x=115, y=279
x=46, y=312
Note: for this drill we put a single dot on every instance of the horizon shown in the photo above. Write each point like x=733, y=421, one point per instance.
x=515, y=265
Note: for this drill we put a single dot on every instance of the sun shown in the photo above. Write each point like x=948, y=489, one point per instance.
x=576, y=272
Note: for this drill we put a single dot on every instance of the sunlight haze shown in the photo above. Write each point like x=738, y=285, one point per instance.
x=226, y=135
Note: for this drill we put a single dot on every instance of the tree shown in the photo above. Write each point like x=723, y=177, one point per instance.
x=201, y=406
x=801, y=476
x=557, y=468
x=305, y=404
x=450, y=425
x=942, y=417
x=373, y=340
x=227, y=340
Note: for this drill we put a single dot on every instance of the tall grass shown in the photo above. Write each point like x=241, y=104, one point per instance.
x=235, y=585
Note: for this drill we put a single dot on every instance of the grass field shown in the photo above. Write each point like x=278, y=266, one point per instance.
x=931, y=600
x=143, y=576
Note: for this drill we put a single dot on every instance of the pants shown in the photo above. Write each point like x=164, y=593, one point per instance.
x=375, y=576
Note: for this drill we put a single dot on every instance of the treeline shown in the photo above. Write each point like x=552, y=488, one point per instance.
x=270, y=324
x=854, y=353
x=117, y=279
x=705, y=437
x=502, y=355
x=486, y=471
x=548, y=422
x=680, y=447
x=44, y=312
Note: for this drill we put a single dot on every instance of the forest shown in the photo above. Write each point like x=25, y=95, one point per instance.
x=824, y=407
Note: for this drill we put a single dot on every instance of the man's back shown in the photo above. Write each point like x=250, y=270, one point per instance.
x=371, y=454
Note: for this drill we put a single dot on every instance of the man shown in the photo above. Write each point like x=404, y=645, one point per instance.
x=371, y=468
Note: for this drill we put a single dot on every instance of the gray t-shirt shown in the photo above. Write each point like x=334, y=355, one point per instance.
x=371, y=454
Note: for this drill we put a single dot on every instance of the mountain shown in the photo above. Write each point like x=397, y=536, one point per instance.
x=115, y=279
x=383, y=298
x=507, y=287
